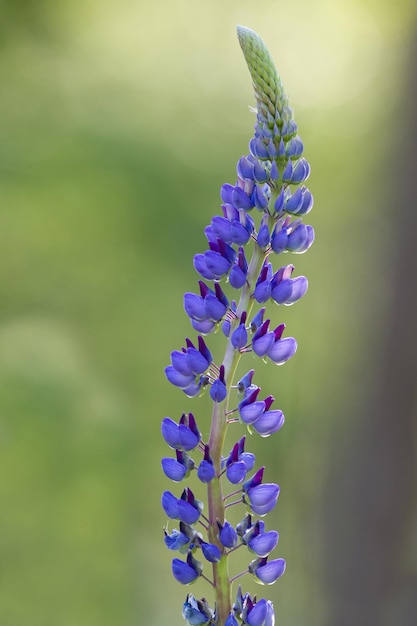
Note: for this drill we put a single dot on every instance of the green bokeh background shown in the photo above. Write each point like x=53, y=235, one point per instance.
x=119, y=122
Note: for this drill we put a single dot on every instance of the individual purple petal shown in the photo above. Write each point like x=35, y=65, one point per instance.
x=249, y=460
x=301, y=172
x=194, y=306
x=268, y=572
x=173, y=469
x=222, y=228
x=187, y=513
x=170, y=504
x=269, y=422
x=176, y=378
x=249, y=413
x=239, y=337
x=263, y=236
x=196, y=361
x=237, y=277
x=188, y=439
x=263, y=544
x=295, y=201
x=279, y=202
x=200, y=266
x=226, y=192
x=205, y=327
x=216, y=264
x=180, y=363
x=256, y=617
x=236, y=472
x=215, y=309
x=279, y=240
x=170, y=432
x=241, y=200
x=282, y=350
x=287, y=173
x=218, y=390
x=263, y=498
x=289, y=291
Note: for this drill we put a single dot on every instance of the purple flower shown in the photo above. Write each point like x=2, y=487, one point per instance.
x=179, y=468
x=206, y=471
x=218, y=390
x=182, y=436
x=211, y=552
x=176, y=540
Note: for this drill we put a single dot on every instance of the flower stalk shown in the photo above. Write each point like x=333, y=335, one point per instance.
x=270, y=180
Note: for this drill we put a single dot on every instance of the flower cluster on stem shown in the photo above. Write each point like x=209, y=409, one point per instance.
x=262, y=217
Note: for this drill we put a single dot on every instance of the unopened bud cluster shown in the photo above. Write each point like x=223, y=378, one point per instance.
x=262, y=217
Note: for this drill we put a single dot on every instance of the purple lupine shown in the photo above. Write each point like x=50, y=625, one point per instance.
x=239, y=260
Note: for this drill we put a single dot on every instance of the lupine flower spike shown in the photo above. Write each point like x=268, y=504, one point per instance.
x=261, y=217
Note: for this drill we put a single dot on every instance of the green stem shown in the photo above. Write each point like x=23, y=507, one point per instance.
x=216, y=507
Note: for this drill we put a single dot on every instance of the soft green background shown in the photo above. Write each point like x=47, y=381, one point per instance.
x=119, y=122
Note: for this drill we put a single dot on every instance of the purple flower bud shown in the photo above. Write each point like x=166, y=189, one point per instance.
x=218, y=390
x=238, y=273
x=258, y=149
x=260, y=197
x=227, y=535
x=239, y=337
x=188, y=507
x=226, y=192
x=211, y=552
x=206, y=471
x=279, y=202
x=245, y=381
x=279, y=239
x=266, y=572
x=222, y=228
x=189, y=435
x=188, y=572
x=287, y=173
x=294, y=147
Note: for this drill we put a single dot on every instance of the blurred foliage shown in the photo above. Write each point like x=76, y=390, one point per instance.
x=119, y=123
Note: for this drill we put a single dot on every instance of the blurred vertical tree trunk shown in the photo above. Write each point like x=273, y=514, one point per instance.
x=370, y=496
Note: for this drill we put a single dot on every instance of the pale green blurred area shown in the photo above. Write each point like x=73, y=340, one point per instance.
x=119, y=122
